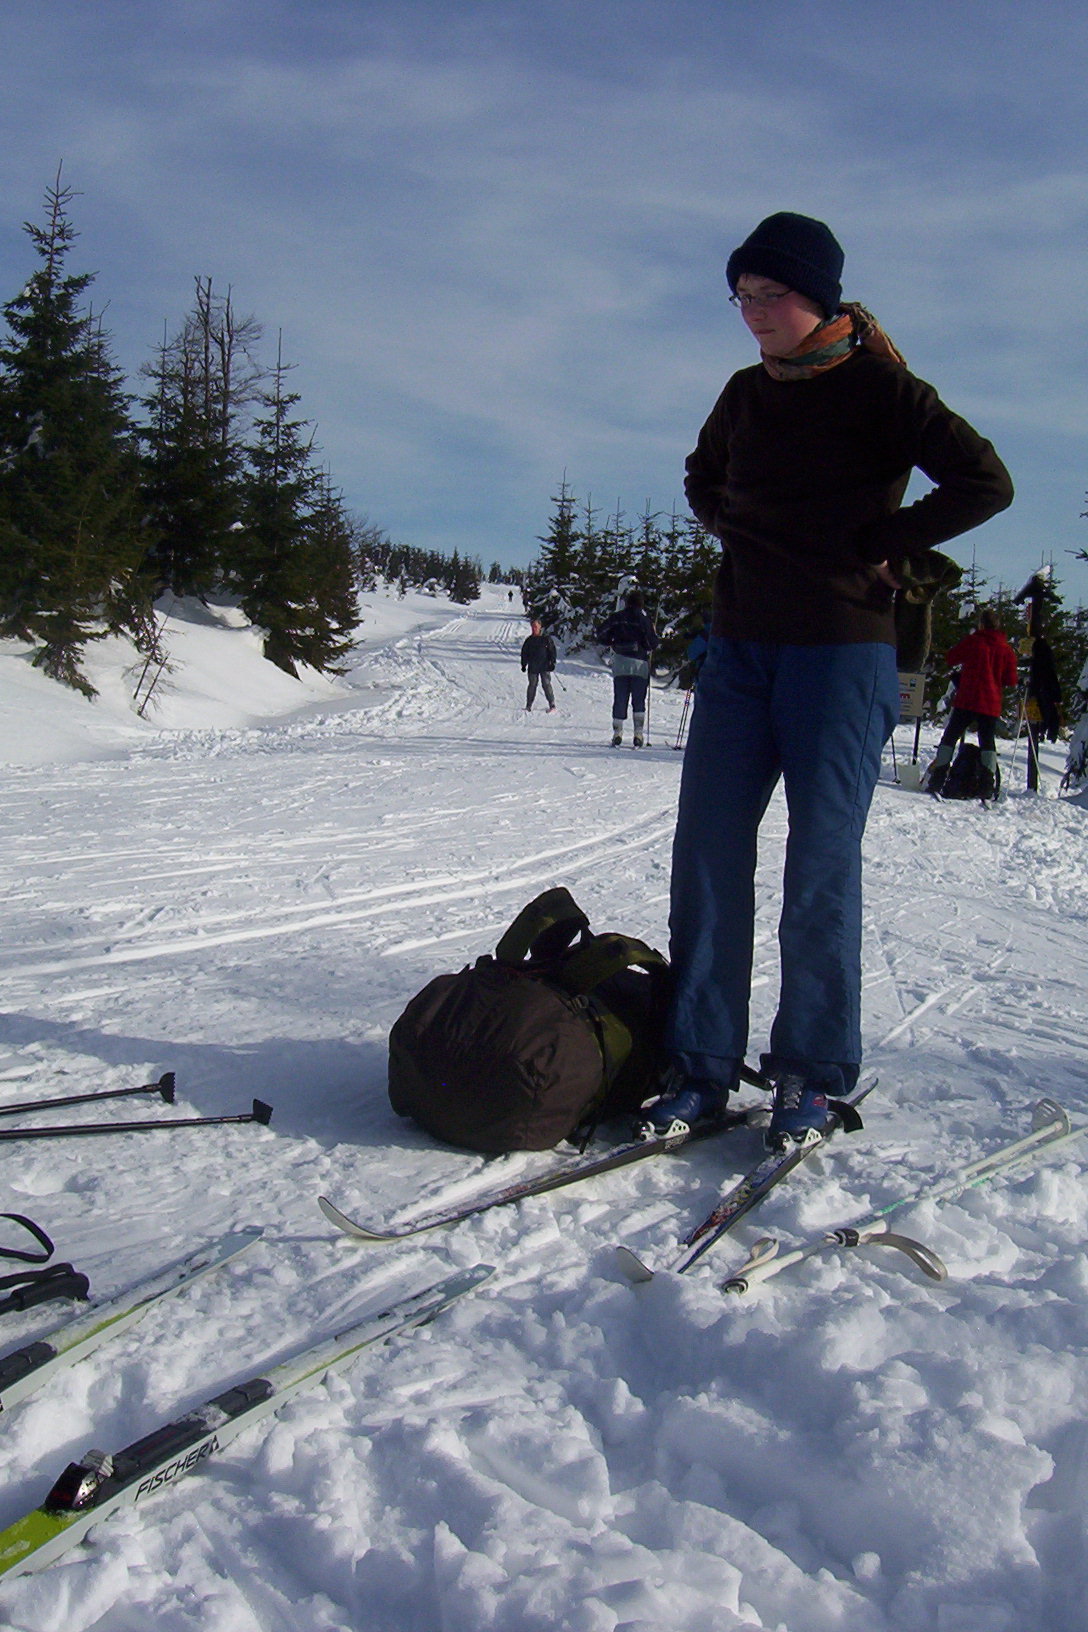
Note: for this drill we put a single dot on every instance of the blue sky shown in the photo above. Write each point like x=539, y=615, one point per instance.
x=493, y=234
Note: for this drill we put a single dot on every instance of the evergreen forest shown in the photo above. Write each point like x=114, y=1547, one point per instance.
x=586, y=561
x=205, y=481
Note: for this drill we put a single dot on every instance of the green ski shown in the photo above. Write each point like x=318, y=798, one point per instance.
x=90, y=1490
x=27, y=1368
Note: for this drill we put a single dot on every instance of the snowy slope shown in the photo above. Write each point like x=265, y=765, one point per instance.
x=246, y=889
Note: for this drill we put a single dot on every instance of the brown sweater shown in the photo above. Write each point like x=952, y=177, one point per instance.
x=803, y=482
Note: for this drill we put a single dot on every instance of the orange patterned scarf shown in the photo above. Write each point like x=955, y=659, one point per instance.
x=831, y=343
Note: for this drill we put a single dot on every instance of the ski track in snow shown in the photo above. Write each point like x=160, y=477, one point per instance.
x=849, y=1450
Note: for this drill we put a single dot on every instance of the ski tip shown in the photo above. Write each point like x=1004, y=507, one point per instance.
x=350, y=1226
x=165, y=1085
x=333, y=1213
x=261, y=1112
x=632, y=1266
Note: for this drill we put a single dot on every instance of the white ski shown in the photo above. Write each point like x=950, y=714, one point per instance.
x=90, y=1490
x=1050, y=1126
x=25, y=1369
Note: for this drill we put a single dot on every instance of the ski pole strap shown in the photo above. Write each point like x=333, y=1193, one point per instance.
x=544, y=928
x=34, y=1286
x=926, y=1259
x=39, y=1235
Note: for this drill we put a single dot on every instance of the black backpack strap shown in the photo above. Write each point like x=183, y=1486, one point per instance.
x=34, y=1286
x=39, y=1235
x=544, y=929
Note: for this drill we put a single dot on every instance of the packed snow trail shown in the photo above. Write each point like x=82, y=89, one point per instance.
x=250, y=904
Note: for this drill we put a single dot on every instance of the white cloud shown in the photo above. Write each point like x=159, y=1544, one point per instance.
x=497, y=251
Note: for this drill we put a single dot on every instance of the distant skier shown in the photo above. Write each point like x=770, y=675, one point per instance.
x=695, y=655
x=986, y=663
x=630, y=633
x=538, y=662
x=1043, y=692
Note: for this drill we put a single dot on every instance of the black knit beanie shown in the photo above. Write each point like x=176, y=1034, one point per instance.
x=797, y=251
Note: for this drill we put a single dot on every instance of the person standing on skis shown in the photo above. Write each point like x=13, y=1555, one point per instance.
x=987, y=663
x=631, y=636
x=538, y=662
x=800, y=471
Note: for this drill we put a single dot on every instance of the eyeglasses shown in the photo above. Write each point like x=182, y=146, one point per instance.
x=745, y=301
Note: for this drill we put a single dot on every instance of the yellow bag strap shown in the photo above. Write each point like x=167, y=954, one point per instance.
x=606, y=955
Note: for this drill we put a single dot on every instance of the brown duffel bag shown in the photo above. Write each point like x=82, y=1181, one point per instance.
x=558, y=1030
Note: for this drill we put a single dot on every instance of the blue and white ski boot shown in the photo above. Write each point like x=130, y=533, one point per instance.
x=687, y=1105
x=800, y=1111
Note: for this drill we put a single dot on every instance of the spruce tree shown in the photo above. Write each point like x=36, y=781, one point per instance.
x=330, y=544
x=463, y=579
x=201, y=382
x=550, y=581
x=71, y=539
x=294, y=571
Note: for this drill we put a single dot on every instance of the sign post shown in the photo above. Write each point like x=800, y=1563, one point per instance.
x=912, y=704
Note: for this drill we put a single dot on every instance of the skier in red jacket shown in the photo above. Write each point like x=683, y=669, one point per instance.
x=987, y=663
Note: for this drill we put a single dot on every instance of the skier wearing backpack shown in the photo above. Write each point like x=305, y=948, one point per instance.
x=538, y=662
x=630, y=634
x=987, y=663
x=801, y=471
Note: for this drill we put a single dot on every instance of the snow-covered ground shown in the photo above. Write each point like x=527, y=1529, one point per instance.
x=246, y=888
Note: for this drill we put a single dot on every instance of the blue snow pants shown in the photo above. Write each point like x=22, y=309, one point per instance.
x=818, y=716
x=630, y=683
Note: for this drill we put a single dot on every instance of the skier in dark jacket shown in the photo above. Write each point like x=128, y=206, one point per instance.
x=987, y=663
x=630, y=634
x=1043, y=703
x=538, y=662
x=801, y=471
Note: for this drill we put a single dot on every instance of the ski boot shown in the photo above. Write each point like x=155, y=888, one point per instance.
x=638, y=742
x=617, y=740
x=686, y=1103
x=799, y=1111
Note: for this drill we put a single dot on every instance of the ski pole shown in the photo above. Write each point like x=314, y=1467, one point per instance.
x=1020, y=713
x=765, y=1259
x=261, y=1113
x=164, y=1086
x=1050, y=1126
x=683, y=720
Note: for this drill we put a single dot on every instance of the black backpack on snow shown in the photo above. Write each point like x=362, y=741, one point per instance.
x=968, y=777
x=558, y=1030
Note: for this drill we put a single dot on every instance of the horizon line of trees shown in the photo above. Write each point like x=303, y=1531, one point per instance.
x=584, y=560
x=217, y=489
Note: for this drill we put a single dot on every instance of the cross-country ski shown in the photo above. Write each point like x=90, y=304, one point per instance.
x=748, y=1191
x=89, y=1490
x=572, y=1171
x=26, y=1369
x=1050, y=1129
